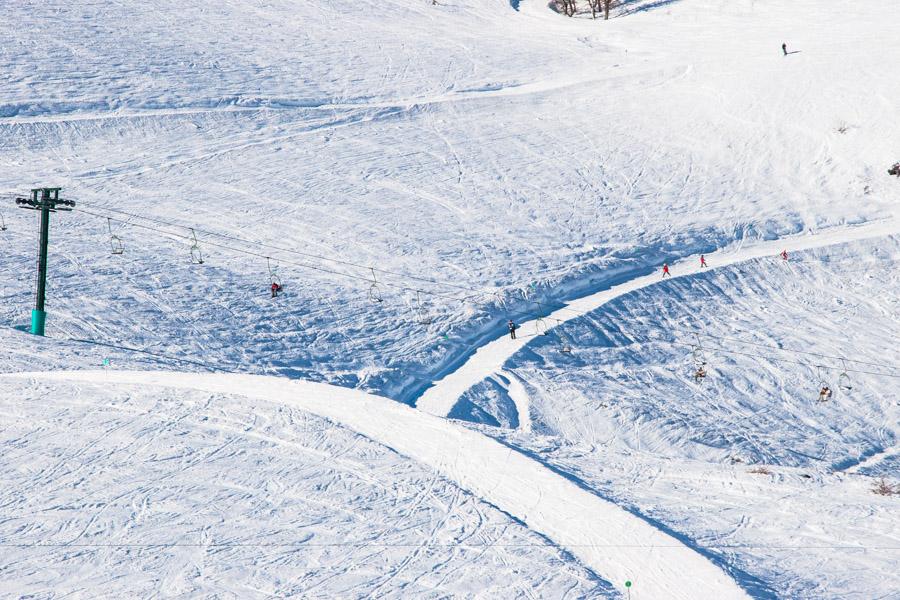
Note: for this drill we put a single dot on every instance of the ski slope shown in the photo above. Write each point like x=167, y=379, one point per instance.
x=507, y=152
x=469, y=161
x=749, y=460
x=114, y=490
x=610, y=541
x=490, y=358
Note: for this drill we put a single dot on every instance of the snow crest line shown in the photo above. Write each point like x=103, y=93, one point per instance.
x=612, y=542
x=442, y=396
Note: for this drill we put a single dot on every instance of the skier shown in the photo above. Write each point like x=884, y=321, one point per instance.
x=512, y=329
x=784, y=49
x=702, y=262
x=275, y=289
x=700, y=373
x=784, y=255
x=825, y=394
x=666, y=270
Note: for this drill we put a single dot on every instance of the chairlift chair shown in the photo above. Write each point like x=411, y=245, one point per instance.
x=700, y=361
x=374, y=290
x=700, y=373
x=116, y=244
x=275, y=281
x=540, y=324
x=273, y=274
x=422, y=316
x=844, y=382
x=196, y=253
x=565, y=344
x=826, y=392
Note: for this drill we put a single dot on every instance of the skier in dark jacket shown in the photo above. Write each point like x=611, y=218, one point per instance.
x=512, y=329
x=275, y=289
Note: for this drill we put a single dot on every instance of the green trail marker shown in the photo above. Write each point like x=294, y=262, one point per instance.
x=45, y=200
x=628, y=587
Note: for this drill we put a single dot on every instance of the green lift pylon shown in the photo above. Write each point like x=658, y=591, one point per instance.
x=45, y=200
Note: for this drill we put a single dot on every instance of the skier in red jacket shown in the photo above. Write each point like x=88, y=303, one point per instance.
x=784, y=255
x=702, y=262
x=666, y=270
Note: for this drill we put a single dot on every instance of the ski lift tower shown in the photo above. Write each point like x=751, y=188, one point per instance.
x=45, y=200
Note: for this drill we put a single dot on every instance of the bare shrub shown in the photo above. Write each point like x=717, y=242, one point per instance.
x=883, y=488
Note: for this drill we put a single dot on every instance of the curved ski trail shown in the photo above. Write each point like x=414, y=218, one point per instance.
x=442, y=396
x=614, y=543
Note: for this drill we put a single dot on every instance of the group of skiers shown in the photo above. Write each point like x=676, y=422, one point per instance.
x=703, y=263
x=701, y=373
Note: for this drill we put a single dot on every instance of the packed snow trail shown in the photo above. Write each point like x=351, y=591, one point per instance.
x=443, y=395
x=615, y=544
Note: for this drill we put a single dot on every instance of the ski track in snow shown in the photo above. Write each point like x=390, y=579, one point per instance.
x=441, y=397
x=612, y=542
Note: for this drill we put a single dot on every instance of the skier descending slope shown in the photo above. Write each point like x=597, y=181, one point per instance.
x=784, y=255
x=666, y=270
x=512, y=329
x=703, y=264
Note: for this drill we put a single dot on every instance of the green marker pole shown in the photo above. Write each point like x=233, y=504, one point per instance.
x=628, y=587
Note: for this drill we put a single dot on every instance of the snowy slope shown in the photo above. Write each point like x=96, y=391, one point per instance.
x=134, y=491
x=623, y=414
x=470, y=143
x=484, y=160
x=571, y=517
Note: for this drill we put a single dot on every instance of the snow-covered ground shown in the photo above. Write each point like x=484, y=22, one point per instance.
x=468, y=143
x=483, y=160
x=135, y=491
x=623, y=414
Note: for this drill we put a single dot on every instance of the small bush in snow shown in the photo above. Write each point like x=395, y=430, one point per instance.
x=883, y=488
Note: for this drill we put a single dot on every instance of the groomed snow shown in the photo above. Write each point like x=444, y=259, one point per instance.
x=443, y=395
x=749, y=463
x=124, y=491
x=613, y=543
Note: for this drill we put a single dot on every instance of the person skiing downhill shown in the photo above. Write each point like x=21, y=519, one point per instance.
x=666, y=270
x=784, y=255
x=512, y=329
x=275, y=289
x=702, y=262
x=784, y=49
